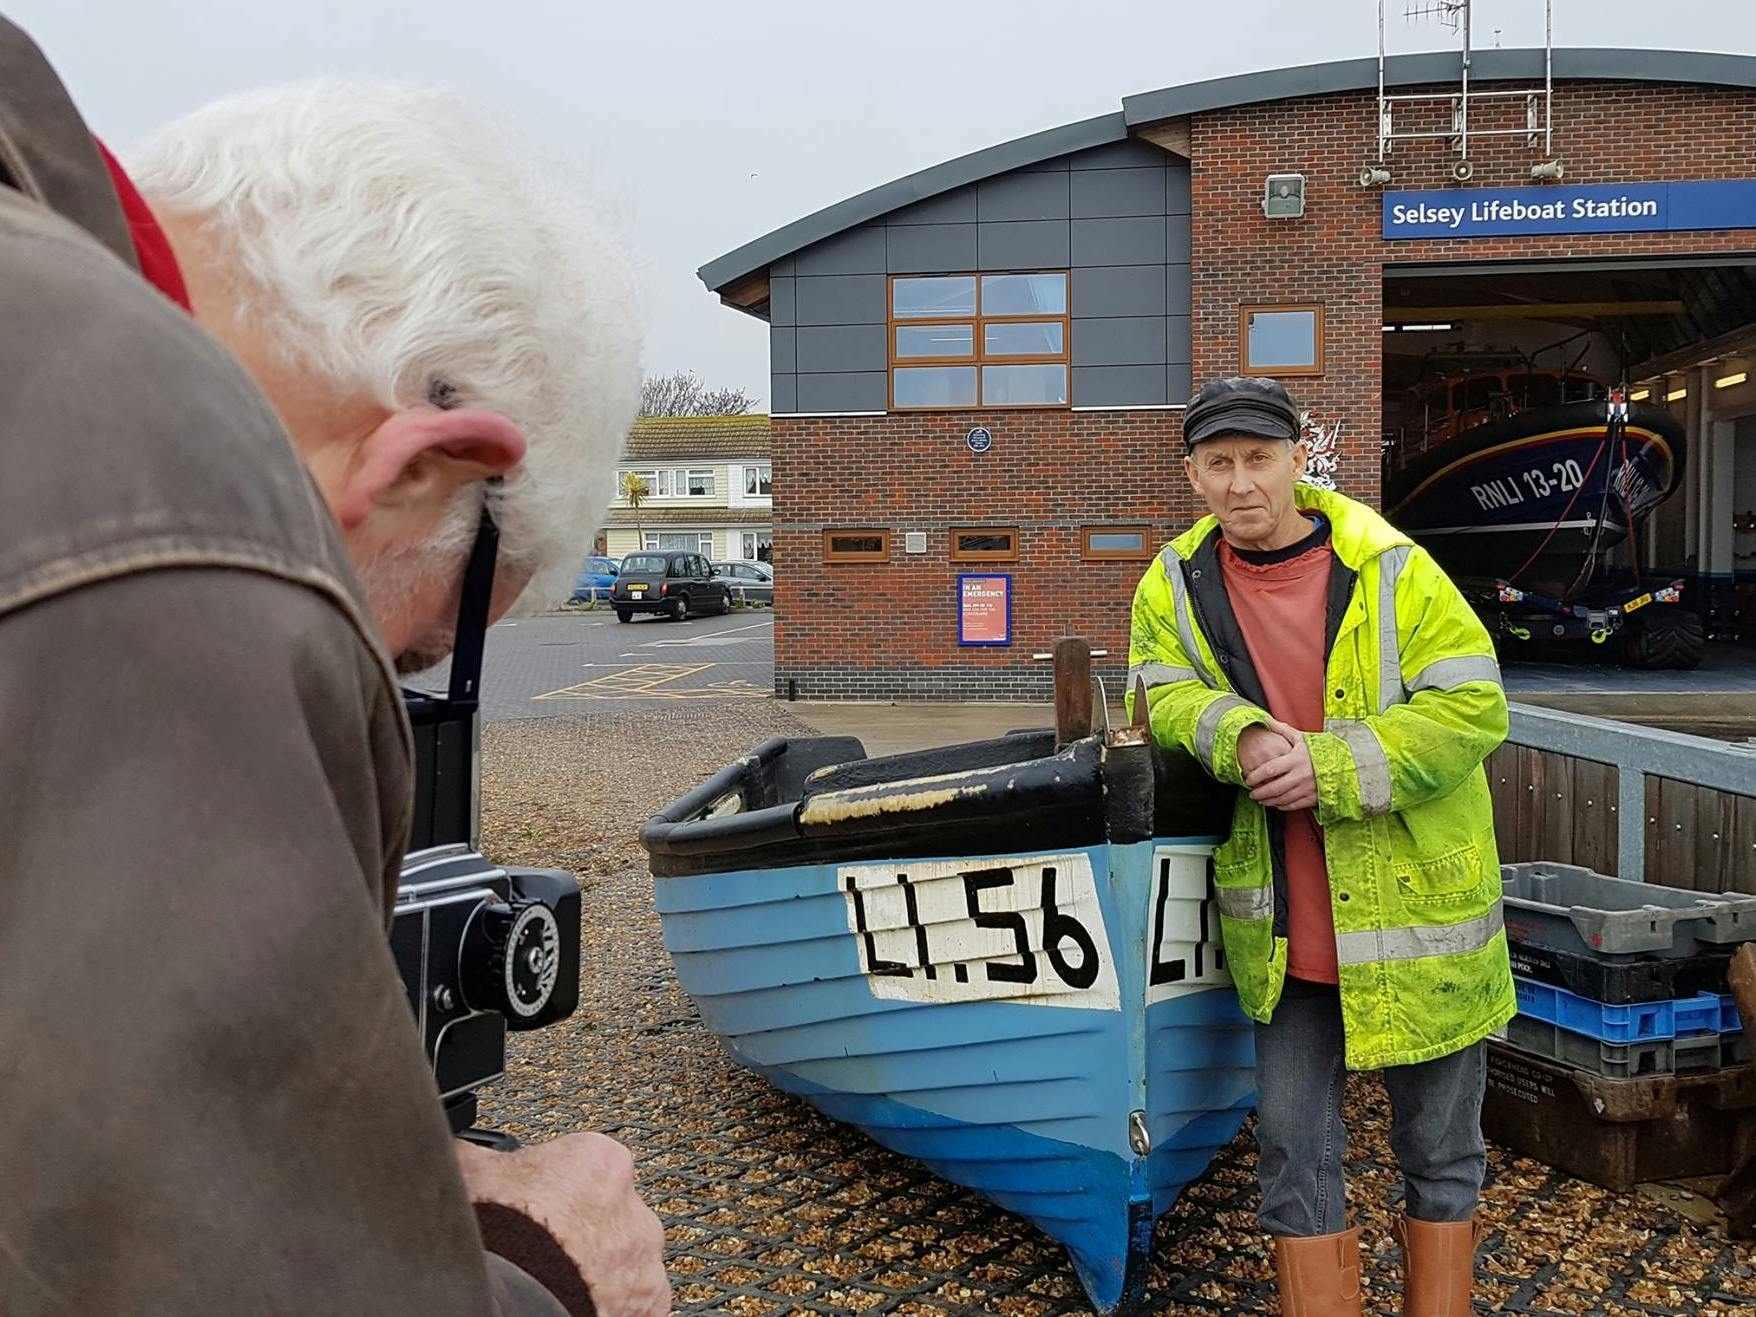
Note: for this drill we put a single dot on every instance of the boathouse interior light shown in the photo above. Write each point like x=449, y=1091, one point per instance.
x=1677, y=393
x=1640, y=395
x=1283, y=196
x=1737, y=370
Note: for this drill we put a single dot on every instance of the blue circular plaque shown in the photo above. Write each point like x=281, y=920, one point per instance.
x=979, y=440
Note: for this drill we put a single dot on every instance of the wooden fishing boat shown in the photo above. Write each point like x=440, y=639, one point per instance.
x=999, y=958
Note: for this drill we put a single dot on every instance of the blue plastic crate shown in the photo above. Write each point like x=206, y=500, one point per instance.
x=1632, y=1023
x=1728, y=1015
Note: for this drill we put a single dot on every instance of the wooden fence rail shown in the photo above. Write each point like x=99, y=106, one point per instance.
x=1621, y=799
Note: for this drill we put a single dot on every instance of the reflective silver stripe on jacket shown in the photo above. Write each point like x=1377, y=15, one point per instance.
x=1449, y=673
x=1207, y=726
x=1370, y=764
x=1160, y=674
x=1245, y=902
x=1185, y=622
x=1390, y=565
x=1371, y=945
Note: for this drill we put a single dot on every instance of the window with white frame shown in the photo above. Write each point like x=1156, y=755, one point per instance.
x=656, y=480
x=758, y=481
x=757, y=546
x=695, y=541
x=671, y=482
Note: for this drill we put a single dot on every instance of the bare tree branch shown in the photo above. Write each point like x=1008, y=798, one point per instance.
x=683, y=394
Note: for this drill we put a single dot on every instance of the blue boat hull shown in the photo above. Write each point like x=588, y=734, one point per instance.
x=1052, y=1030
x=1539, y=490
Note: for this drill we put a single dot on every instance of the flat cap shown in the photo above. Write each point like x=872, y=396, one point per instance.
x=1241, y=405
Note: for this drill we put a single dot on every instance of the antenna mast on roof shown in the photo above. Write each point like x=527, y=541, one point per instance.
x=1538, y=126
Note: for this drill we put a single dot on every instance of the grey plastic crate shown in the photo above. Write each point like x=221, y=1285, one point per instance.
x=1574, y=909
x=1658, y=1056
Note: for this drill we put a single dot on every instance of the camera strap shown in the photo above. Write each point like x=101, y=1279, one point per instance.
x=472, y=612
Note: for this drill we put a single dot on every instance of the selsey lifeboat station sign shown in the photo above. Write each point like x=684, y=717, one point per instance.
x=1598, y=208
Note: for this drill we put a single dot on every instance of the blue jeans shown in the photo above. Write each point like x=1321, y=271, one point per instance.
x=1435, y=1127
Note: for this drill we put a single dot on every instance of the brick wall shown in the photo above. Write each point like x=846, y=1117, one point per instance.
x=895, y=623
x=889, y=630
x=1604, y=133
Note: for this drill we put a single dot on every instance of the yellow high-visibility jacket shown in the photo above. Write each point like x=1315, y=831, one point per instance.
x=1412, y=705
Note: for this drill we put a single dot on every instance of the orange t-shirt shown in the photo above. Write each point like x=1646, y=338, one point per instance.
x=1280, y=599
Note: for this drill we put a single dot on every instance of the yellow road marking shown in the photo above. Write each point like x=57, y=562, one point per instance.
x=653, y=681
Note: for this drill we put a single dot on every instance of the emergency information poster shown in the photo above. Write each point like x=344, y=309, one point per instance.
x=984, y=609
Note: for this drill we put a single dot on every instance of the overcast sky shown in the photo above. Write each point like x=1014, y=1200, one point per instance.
x=713, y=123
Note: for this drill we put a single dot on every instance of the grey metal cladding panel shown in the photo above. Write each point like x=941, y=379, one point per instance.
x=1130, y=151
x=1177, y=196
x=1177, y=294
x=1137, y=241
x=858, y=251
x=782, y=351
x=862, y=391
x=828, y=348
x=1118, y=290
x=780, y=300
x=1179, y=383
x=783, y=266
x=847, y=299
x=1118, y=386
x=1108, y=193
x=783, y=393
x=1022, y=153
x=931, y=248
x=1022, y=196
x=1177, y=244
x=1119, y=341
x=1179, y=339
x=954, y=207
x=1023, y=245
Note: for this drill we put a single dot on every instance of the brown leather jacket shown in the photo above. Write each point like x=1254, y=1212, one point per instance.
x=212, y=1098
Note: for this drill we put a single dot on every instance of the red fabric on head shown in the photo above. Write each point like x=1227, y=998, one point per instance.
x=151, y=247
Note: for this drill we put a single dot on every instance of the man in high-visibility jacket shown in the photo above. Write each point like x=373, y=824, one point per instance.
x=1311, y=655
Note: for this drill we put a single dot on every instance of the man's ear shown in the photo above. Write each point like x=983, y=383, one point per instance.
x=1301, y=458
x=422, y=455
x=1189, y=473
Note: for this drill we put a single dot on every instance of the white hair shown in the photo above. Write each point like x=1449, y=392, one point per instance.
x=391, y=240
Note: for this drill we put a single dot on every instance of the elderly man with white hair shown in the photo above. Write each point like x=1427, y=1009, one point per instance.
x=214, y=1100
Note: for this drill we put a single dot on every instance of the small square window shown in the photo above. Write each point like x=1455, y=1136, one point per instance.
x=856, y=546
x=1281, y=340
x=984, y=544
x=1115, y=543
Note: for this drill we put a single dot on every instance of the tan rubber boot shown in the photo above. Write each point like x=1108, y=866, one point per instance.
x=1319, y=1275
x=1438, y=1266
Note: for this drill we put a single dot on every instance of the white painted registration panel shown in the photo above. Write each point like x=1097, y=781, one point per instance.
x=1028, y=929
x=1182, y=926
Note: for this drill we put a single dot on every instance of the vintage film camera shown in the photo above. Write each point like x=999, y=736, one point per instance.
x=481, y=948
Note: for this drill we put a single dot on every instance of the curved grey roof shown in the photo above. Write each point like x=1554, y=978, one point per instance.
x=1683, y=66
x=929, y=182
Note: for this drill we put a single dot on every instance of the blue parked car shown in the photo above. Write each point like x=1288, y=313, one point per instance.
x=599, y=574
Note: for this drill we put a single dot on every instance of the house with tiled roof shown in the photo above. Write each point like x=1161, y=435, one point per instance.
x=708, y=481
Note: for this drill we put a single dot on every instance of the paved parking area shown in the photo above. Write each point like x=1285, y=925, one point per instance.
x=582, y=659
x=772, y=1209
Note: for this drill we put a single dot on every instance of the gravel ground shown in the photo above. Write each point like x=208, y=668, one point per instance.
x=770, y=1208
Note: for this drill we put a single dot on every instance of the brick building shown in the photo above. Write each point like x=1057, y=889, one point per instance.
x=978, y=370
